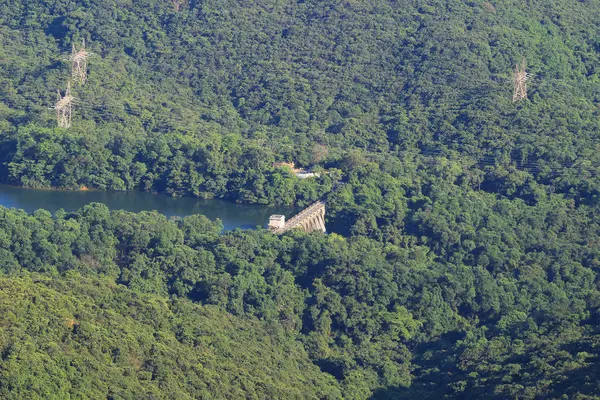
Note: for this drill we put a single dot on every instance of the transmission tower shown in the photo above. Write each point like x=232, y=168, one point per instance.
x=63, y=107
x=177, y=4
x=79, y=63
x=520, y=82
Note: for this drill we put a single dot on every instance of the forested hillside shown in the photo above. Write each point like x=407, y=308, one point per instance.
x=85, y=338
x=511, y=311
x=200, y=101
x=463, y=259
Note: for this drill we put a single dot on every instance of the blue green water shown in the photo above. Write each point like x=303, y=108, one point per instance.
x=232, y=215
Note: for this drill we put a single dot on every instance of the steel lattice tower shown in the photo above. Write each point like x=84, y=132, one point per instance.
x=520, y=78
x=64, y=108
x=79, y=64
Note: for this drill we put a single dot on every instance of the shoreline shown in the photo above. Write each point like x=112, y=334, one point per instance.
x=84, y=189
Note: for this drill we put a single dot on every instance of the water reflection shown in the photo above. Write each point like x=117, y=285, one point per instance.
x=232, y=215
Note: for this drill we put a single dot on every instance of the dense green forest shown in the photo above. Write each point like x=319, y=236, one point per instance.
x=75, y=337
x=463, y=254
x=472, y=297
x=202, y=100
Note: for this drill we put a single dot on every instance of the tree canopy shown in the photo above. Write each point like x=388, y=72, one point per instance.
x=463, y=254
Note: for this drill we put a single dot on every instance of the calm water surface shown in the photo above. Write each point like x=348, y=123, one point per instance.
x=232, y=215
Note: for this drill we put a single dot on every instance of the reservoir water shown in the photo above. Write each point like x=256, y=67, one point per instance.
x=232, y=215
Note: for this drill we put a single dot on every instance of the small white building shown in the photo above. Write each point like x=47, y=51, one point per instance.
x=276, y=221
x=299, y=172
x=306, y=174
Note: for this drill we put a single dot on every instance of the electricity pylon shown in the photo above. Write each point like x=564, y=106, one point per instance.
x=520, y=82
x=79, y=63
x=177, y=4
x=64, y=108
